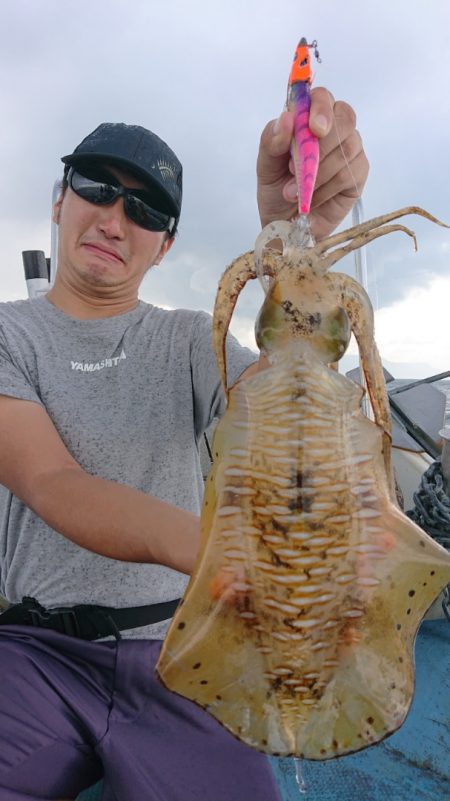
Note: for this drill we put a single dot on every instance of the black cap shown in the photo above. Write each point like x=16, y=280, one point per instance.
x=138, y=150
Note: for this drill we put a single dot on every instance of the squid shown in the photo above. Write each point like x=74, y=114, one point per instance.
x=297, y=628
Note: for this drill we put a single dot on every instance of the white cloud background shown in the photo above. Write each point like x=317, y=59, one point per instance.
x=207, y=76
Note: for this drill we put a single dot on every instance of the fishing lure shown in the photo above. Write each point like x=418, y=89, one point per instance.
x=305, y=145
x=305, y=157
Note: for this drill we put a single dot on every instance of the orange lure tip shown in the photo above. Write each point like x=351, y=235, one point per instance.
x=301, y=66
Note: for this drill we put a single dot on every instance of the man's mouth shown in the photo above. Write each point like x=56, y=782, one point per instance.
x=103, y=252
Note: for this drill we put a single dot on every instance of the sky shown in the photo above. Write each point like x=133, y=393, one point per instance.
x=207, y=77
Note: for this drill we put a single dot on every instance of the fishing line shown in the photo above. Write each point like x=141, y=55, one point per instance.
x=347, y=163
x=360, y=265
x=358, y=197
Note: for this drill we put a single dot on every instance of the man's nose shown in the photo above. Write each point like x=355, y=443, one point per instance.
x=112, y=219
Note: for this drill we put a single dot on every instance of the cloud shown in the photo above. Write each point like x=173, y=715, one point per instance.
x=203, y=282
x=243, y=329
x=412, y=334
x=415, y=330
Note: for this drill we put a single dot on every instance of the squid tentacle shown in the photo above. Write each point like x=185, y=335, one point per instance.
x=358, y=241
x=231, y=284
x=376, y=222
x=358, y=307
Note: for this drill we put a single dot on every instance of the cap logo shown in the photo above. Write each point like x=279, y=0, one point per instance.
x=166, y=170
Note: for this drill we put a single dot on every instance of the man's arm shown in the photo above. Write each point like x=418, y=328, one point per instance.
x=103, y=516
x=343, y=166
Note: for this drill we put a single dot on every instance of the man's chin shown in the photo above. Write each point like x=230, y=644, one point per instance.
x=101, y=276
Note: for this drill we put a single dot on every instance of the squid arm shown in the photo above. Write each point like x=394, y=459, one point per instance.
x=369, y=225
x=357, y=305
x=231, y=284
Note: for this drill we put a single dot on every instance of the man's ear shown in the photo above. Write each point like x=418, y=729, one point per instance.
x=165, y=247
x=57, y=209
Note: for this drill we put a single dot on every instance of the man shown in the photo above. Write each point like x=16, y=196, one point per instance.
x=103, y=400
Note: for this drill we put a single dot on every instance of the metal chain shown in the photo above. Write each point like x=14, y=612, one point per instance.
x=446, y=602
x=432, y=513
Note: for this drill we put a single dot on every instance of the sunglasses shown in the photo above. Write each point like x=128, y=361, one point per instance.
x=135, y=201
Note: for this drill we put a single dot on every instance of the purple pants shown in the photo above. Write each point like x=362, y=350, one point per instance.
x=73, y=711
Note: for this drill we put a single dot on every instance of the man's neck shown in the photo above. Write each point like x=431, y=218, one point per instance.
x=88, y=307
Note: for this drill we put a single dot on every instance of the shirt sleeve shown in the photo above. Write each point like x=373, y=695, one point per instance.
x=209, y=399
x=14, y=378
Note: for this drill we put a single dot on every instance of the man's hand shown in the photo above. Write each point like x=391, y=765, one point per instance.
x=337, y=185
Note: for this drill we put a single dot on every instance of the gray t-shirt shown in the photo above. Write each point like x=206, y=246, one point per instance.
x=130, y=397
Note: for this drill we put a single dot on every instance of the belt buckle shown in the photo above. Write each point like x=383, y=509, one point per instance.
x=43, y=618
x=69, y=621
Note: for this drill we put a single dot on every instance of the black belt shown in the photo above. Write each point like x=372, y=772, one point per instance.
x=86, y=621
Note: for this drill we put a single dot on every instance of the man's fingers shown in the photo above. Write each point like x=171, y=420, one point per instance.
x=276, y=137
x=343, y=125
x=348, y=182
x=321, y=111
x=271, y=168
x=343, y=166
x=283, y=129
x=290, y=192
x=342, y=155
x=333, y=122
